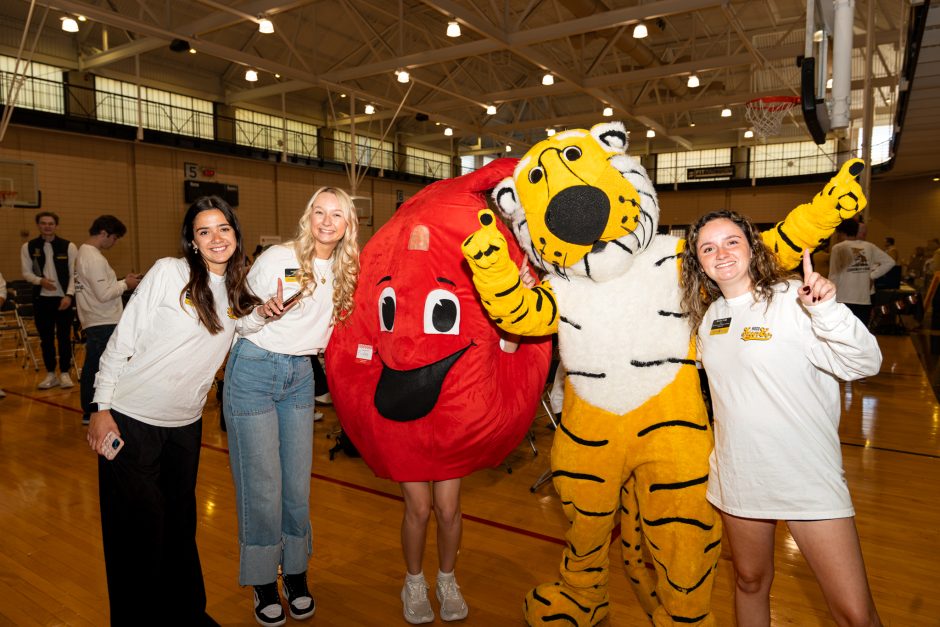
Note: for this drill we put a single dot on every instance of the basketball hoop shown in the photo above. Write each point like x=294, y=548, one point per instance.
x=766, y=114
x=7, y=199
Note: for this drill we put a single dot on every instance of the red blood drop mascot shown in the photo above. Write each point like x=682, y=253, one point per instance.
x=418, y=374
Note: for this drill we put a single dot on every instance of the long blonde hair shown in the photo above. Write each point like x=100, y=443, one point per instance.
x=345, y=256
x=699, y=291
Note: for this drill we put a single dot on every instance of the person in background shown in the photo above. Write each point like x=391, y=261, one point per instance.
x=268, y=398
x=150, y=391
x=853, y=268
x=48, y=262
x=98, y=299
x=774, y=348
x=891, y=250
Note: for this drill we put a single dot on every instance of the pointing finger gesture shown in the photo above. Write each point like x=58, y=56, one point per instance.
x=816, y=288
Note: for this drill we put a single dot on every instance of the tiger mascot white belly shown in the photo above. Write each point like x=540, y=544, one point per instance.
x=634, y=441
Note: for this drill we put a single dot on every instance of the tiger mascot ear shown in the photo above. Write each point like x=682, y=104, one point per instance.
x=611, y=135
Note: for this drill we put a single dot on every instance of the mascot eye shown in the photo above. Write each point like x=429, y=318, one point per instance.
x=535, y=175
x=441, y=313
x=572, y=153
x=387, y=309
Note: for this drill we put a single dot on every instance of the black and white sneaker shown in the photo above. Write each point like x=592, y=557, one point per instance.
x=268, y=610
x=299, y=601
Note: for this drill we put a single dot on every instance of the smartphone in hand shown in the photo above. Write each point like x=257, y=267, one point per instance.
x=112, y=446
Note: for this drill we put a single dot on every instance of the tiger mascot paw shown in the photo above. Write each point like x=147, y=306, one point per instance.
x=559, y=604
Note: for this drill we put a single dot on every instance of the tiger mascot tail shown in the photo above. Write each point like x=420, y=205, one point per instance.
x=635, y=439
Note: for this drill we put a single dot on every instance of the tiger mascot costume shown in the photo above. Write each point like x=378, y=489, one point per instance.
x=635, y=438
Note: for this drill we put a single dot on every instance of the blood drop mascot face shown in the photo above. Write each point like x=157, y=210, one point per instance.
x=419, y=376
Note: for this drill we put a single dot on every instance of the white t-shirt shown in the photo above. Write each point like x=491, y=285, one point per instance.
x=160, y=361
x=306, y=328
x=97, y=289
x=773, y=374
x=853, y=267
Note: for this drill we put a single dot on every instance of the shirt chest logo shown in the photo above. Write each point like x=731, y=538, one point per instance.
x=761, y=334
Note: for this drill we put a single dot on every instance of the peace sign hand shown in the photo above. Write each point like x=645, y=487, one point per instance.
x=816, y=288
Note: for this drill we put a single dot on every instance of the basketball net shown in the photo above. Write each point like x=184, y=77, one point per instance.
x=766, y=114
x=7, y=199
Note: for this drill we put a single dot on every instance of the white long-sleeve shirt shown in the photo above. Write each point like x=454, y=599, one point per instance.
x=773, y=374
x=853, y=267
x=306, y=328
x=48, y=271
x=161, y=361
x=97, y=289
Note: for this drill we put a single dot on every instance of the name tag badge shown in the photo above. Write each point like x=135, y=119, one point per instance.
x=290, y=275
x=720, y=326
x=364, y=353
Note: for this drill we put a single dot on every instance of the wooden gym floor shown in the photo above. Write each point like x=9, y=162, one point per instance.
x=52, y=570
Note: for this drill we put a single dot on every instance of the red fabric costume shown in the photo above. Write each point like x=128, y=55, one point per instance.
x=417, y=375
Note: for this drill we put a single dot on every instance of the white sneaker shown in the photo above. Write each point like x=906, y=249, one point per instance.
x=417, y=608
x=49, y=382
x=324, y=399
x=2, y=394
x=317, y=416
x=453, y=607
x=65, y=381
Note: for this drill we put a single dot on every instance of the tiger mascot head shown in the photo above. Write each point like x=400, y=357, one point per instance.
x=579, y=205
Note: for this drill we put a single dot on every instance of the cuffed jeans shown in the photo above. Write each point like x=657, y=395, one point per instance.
x=96, y=340
x=268, y=406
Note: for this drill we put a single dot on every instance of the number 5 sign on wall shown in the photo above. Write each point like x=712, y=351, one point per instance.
x=190, y=170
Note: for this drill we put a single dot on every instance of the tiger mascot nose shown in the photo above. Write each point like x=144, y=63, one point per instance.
x=578, y=214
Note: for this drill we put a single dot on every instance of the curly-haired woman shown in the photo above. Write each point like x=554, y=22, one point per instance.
x=268, y=397
x=774, y=349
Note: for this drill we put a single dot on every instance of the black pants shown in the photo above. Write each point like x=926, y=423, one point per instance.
x=862, y=312
x=148, y=525
x=96, y=340
x=320, y=386
x=54, y=326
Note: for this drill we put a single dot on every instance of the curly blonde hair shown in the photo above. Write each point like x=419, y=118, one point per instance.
x=345, y=256
x=699, y=291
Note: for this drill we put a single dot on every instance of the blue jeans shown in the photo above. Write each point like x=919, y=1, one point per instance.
x=268, y=405
x=96, y=340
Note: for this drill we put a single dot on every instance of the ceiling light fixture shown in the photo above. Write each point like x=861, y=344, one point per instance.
x=69, y=25
x=448, y=131
x=342, y=95
x=403, y=76
x=82, y=18
x=693, y=81
x=748, y=134
x=639, y=31
x=265, y=26
x=549, y=131
x=650, y=133
x=508, y=148
x=369, y=109
x=491, y=110
x=829, y=83
x=192, y=51
x=608, y=111
x=453, y=29
x=726, y=112
x=548, y=79
x=251, y=76
x=818, y=36
x=691, y=124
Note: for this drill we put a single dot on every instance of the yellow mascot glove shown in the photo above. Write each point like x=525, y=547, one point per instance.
x=811, y=223
x=511, y=305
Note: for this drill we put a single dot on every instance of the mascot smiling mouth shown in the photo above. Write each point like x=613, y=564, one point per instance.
x=406, y=395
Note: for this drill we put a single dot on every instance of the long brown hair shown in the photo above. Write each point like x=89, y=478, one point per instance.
x=699, y=291
x=345, y=259
x=240, y=298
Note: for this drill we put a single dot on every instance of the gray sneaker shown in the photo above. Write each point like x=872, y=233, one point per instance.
x=417, y=608
x=50, y=381
x=453, y=607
